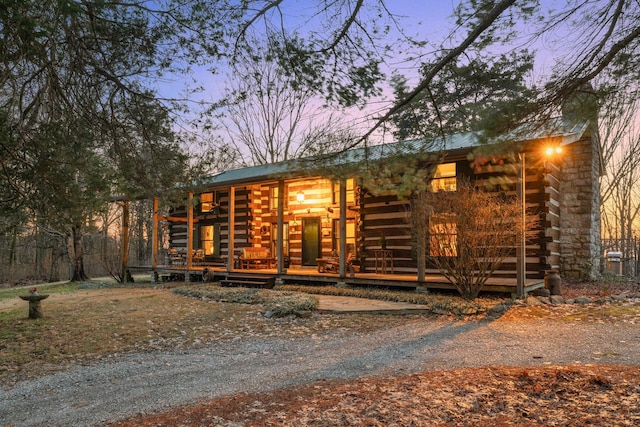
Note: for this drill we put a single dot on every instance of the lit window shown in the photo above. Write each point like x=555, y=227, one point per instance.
x=207, y=239
x=285, y=239
x=207, y=202
x=273, y=198
x=350, y=226
x=351, y=191
x=444, y=178
x=443, y=235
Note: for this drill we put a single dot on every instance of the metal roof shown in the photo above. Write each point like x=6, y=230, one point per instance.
x=558, y=127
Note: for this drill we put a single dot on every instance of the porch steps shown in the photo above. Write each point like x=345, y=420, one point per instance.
x=249, y=281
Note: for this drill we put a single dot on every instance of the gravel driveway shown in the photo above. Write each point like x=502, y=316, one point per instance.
x=151, y=382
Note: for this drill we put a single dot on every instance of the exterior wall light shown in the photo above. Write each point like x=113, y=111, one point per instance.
x=550, y=151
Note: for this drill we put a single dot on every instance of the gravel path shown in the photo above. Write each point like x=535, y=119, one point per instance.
x=151, y=382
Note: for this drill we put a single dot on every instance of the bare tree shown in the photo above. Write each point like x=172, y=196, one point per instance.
x=338, y=48
x=269, y=119
x=471, y=232
x=621, y=188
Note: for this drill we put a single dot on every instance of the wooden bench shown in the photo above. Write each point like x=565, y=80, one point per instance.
x=247, y=281
x=256, y=257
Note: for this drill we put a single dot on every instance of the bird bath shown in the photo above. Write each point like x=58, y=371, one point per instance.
x=35, y=309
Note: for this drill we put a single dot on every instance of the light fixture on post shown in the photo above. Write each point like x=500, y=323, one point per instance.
x=521, y=262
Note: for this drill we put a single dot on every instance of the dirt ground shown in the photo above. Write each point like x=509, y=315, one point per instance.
x=599, y=288
x=585, y=396
x=596, y=395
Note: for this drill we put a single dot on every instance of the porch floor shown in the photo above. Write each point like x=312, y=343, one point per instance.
x=310, y=275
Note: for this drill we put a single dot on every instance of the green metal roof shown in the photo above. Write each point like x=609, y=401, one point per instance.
x=558, y=127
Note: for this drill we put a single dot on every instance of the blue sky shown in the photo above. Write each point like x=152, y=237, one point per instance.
x=430, y=20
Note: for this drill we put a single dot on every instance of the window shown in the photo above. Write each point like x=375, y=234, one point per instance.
x=351, y=191
x=444, y=178
x=208, y=202
x=210, y=239
x=285, y=240
x=443, y=235
x=351, y=235
x=274, y=196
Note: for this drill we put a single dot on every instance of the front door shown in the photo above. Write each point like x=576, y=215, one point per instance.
x=310, y=241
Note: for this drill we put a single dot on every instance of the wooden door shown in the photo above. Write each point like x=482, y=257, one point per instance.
x=310, y=241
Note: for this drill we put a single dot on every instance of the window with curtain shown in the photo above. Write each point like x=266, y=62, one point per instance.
x=207, y=202
x=285, y=240
x=444, y=178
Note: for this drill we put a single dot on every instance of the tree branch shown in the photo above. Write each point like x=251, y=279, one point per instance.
x=345, y=28
x=486, y=22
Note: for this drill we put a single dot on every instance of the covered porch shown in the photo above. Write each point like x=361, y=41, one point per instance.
x=311, y=276
x=298, y=223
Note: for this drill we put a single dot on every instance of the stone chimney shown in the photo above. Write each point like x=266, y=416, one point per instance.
x=582, y=104
x=580, y=201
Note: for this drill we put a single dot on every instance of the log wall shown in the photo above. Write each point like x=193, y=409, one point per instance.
x=561, y=194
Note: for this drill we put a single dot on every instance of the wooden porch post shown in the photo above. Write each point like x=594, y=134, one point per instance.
x=189, y=253
x=343, y=227
x=521, y=249
x=154, y=246
x=232, y=224
x=280, y=232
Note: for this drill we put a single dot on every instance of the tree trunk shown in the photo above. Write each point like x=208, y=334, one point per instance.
x=57, y=255
x=76, y=254
x=12, y=248
x=422, y=257
x=125, y=243
x=419, y=215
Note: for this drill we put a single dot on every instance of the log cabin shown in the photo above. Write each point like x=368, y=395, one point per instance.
x=303, y=216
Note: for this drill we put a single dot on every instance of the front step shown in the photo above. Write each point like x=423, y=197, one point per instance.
x=247, y=281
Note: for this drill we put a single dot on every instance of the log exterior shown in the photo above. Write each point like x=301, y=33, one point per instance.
x=562, y=194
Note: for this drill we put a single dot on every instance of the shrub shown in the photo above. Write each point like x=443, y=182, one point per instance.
x=276, y=303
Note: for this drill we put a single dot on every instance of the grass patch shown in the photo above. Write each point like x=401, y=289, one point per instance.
x=81, y=325
x=53, y=288
x=85, y=322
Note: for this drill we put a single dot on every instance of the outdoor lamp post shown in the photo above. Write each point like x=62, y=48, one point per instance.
x=521, y=264
x=521, y=249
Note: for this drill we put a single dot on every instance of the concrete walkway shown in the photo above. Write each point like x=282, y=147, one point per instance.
x=330, y=303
